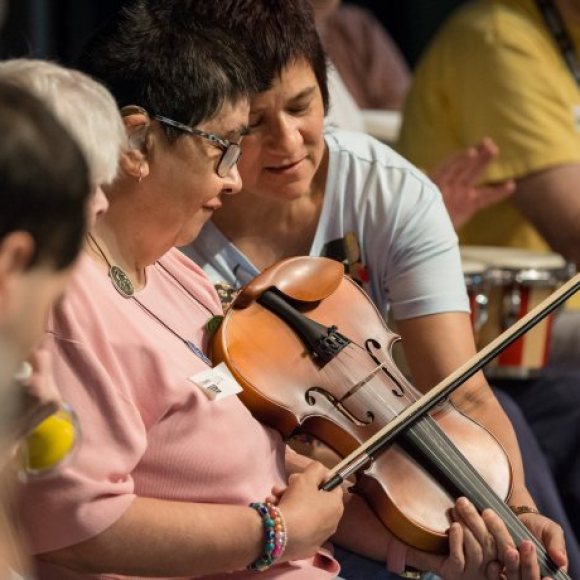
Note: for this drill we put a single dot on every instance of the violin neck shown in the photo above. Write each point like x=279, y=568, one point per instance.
x=461, y=479
x=323, y=342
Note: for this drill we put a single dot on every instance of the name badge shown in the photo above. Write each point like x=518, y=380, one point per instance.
x=217, y=383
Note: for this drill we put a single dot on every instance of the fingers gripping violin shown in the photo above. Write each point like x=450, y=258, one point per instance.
x=313, y=355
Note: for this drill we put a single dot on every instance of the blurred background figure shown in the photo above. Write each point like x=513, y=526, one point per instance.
x=368, y=61
x=89, y=114
x=368, y=81
x=42, y=217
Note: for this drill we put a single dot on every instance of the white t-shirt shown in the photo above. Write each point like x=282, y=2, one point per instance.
x=409, y=258
x=343, y=113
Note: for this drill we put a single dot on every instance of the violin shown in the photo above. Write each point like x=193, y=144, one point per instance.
x=313, y=355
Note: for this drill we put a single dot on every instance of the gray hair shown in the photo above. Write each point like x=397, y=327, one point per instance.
x=83, y=106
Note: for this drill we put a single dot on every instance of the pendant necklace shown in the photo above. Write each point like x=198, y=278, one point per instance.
x=123, y=285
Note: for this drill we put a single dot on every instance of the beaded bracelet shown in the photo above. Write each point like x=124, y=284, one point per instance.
x=275, y=535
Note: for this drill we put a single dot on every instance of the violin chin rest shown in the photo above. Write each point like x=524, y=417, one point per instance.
x=301, y=278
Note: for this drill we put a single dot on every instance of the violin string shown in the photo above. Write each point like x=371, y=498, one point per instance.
x=470, y=481
x=341, y=376
x=343, y=370
x=355, y=353
x=368, y=395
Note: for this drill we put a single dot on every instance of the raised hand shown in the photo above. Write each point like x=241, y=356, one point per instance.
x=458, y=176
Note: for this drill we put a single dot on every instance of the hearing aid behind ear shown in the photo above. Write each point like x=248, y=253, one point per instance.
x=137, y=137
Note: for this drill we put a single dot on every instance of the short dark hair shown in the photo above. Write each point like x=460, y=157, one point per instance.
x=44, y=179
x=155, y=55
x=274, y=33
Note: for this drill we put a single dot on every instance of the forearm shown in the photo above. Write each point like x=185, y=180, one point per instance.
x=549, y=200
x=436, y=346
x=162, y=538
x=478, y=402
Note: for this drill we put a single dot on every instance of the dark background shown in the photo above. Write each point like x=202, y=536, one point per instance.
x=411, y=23
x=57, y=29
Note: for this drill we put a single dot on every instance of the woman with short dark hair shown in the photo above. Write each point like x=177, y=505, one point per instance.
x=349, y=197
x=163, y=481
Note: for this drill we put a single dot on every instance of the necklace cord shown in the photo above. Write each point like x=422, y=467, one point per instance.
x=115, y=273
x=98, y=248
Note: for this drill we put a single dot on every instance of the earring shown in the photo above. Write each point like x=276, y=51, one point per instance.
x=140, y=173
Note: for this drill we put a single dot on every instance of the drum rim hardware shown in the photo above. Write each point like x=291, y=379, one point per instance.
x=533, y=276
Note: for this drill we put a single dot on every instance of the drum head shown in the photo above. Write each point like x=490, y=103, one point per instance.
x=472, y=266
x=473, y=272
x=507, y=265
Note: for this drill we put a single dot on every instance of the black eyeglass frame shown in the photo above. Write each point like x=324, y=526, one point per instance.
x=231, y=151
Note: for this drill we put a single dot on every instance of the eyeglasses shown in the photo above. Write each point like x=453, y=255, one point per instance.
x=231, y=151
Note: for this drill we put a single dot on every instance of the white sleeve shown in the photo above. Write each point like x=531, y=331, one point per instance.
x=414, y=249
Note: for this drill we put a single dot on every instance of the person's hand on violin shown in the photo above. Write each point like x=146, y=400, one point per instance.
x=457, y=177
x=480, y=547
x=522, y=563
x=311, y=515
x=472, y=550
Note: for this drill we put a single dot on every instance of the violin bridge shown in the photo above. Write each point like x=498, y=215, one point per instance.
x=338, y=405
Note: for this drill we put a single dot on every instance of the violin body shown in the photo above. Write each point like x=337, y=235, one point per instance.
x=347, y=399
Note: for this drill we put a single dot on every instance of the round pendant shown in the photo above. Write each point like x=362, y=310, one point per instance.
x=121, y=282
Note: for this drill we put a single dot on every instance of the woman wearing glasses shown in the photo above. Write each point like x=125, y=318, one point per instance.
x=163, y=481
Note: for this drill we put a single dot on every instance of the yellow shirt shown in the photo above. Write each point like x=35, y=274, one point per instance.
x=495, y=70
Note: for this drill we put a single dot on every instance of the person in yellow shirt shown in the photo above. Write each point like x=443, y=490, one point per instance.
x=495, y=69
x=498, y=68
x=367, y=71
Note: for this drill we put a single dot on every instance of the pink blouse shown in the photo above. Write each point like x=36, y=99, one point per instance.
x=148, y=429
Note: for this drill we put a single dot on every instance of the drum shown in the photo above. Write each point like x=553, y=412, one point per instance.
x=474, y=273
x=518, y=280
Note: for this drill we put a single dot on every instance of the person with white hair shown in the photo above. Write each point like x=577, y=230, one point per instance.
x=85, y=108
x=88, y=112
x=42, y=219
x=88, y=115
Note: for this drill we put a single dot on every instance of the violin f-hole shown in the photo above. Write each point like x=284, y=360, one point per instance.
x=371, y=342
x=337, y=404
